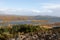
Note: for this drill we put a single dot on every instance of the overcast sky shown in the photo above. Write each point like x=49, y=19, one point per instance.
x=30, y=7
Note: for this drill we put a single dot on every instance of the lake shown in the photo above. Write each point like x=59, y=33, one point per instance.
x=24, y=22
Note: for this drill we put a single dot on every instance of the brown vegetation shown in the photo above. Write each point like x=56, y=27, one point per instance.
x=10, y=18
x=39, y=20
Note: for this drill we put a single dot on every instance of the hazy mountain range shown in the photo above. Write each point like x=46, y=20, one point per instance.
x=38, y=17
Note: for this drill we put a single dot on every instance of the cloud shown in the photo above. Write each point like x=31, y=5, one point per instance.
x=37, y=11
x=50, y=5
x=50, y=9
x=45, y=9
x=19, y=11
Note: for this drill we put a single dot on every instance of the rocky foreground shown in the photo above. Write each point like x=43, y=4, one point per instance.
x=29, y=32
x=38, y=36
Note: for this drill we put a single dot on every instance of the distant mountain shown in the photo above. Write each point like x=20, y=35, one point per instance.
x=49, y=18
x=38, y=17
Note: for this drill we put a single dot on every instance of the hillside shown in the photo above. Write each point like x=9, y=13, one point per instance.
x=36, y=18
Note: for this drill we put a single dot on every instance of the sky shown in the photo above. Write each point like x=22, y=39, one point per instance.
x=30, y=7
